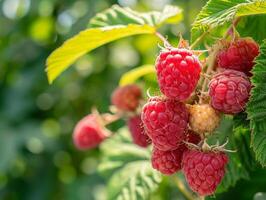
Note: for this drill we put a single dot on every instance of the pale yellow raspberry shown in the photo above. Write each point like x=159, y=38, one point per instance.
x=203, y=119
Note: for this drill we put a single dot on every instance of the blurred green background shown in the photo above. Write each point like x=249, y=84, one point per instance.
x=37, y=158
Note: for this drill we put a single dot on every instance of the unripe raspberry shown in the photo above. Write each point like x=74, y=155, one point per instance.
x=238, y=55
x=89, y=133
x=167, y=162
x=203, y=119
x=178, y=71
x=127, y=98
x=166, y=122
x=137, y=131
x=204, y=170
x=229, y=91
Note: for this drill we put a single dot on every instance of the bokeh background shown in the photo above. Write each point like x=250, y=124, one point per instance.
x=37, y=158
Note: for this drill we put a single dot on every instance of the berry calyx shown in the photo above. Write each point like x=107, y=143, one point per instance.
x=167, y=162
x=204, y=170
x=238, y=54
x=137, y=131
x=229, y=91
x=203, y=119
x=127, y=98
x=178, y=71
x=165, y=122
x=89, y=132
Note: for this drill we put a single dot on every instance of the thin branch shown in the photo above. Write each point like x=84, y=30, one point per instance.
x=183, y=189
x=164, y=40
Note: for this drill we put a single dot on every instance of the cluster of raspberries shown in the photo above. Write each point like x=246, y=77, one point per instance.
x=171, y=125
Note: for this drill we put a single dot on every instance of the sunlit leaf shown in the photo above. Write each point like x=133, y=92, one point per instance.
x=219, y=12
x=86, y=41
x=133, y=75
x=117, y=15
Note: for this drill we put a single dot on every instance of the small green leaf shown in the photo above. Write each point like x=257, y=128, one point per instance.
x=133, y=75
x=124, y=152
x=117, y=15
x=256, y=108
x=135, y=181
x=86, y=41
x=219, y=12
x=128, y=168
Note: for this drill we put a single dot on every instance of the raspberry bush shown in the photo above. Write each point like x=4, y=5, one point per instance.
x=209, y=96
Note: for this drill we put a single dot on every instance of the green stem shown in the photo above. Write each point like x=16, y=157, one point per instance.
x=182, y=188
x=163, y=39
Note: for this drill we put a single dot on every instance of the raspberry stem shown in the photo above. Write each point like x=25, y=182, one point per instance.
x=183, y=189
x=164, y=40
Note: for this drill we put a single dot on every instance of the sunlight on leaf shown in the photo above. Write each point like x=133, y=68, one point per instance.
x=86, y=41
x=133, y=75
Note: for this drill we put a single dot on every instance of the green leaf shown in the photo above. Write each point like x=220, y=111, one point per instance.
x=132, y=176
x=117, y=15
x=112, y=24
x=136, y=181
x=220, y=12
x=124, y=152
x=256, y=108
x=133, y=75
x=86, y=41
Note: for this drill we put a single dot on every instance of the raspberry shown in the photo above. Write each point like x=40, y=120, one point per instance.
x=137, y=131
x=204, y=170
x=165, y=121
x=126, y=98
x=167, y=162
x=238, y=55
x=203, y=118
x=89, y=133
x=229, y=91
x=178, y=72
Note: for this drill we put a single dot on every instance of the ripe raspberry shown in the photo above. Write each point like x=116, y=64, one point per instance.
x=126, y=98
x=238, y=55
x=203, y=119
x=137, y=131
x=204, y=170
x=167, y=162
x=229, y=91
x=165, y=121
x=178, y=72
x=89, y=133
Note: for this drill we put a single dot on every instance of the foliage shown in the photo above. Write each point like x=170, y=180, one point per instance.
x=122, y=23
x=257, y=107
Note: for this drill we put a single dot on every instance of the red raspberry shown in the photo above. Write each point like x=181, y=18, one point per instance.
x=204, y=170
x=165, y=121
x=137, y=131
x=178, y=71
x=238, y=55
x=89, y=133
x=126, y=98
x=229, y=91
x=167, y=162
